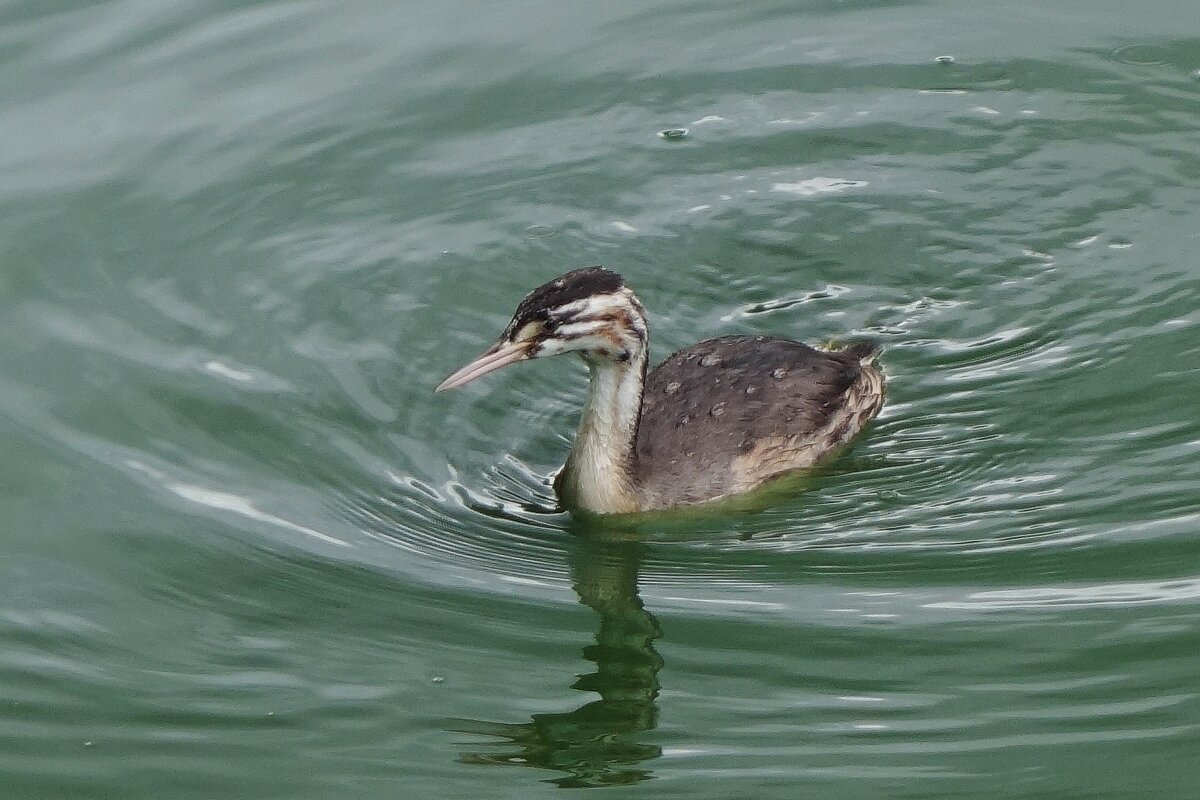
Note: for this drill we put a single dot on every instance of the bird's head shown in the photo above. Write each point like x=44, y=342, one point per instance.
x=588, y=311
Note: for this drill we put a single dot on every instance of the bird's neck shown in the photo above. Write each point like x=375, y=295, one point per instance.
x=598, y=475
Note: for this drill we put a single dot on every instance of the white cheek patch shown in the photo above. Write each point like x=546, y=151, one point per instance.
x=590, y=325
x=580, y=328
x=550, y=347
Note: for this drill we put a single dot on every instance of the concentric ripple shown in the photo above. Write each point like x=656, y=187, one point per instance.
x=247, y=552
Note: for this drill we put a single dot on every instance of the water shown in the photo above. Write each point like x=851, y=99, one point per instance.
x=245, y=552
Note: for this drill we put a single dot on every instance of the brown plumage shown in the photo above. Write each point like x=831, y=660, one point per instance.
x=723, y=416
x=716, y=419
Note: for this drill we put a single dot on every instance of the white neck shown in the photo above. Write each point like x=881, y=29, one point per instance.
x=598, y=473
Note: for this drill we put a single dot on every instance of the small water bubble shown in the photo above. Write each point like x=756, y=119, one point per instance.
x=710, y=360
x=944, y=60
x=87, y=744
x=1142, y=55
x=674, y=133
x=539, y=231
x=438, y=679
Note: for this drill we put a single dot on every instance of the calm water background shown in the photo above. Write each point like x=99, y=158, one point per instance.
x=244, y=552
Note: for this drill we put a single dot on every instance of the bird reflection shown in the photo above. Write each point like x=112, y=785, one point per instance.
x=596, y=744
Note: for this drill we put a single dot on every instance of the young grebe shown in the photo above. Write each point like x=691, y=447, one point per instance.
x=719, y=418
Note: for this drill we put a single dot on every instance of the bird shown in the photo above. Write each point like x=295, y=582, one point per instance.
x=718, y=419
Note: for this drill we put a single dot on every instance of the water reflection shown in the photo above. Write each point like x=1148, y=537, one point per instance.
x=596, y=744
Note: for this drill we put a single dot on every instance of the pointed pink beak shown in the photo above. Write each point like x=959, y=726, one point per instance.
x=498, y=355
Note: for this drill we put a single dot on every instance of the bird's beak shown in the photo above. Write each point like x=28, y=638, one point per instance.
x=498, y=355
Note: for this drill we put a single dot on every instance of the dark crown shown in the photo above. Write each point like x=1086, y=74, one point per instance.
x=574, y=285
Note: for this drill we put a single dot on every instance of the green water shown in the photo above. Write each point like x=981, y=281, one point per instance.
x=245, y=552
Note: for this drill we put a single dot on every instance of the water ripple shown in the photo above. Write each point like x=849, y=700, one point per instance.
x=242, y=243
x=1116, y=593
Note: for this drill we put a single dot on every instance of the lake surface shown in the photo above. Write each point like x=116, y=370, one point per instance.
x=245, y=552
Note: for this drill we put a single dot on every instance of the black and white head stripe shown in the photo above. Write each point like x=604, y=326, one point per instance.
x=562, y=291
x=586, y=310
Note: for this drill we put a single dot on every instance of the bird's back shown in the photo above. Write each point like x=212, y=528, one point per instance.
x=725, y=415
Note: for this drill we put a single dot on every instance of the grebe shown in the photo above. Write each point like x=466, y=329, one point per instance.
x=716, y=419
